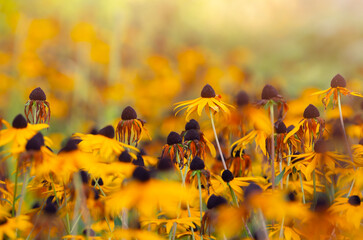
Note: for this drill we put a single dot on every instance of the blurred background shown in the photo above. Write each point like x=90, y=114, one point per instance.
x=94, y=58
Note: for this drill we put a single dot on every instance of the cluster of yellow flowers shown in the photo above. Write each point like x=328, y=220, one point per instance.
x=266, y=180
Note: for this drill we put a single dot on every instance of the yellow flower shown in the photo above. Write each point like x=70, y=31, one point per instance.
x=130, y=127
x=19, y=133
x=133, y=234
x=208, y=101
x=146, y=195
x=103, y=144
x=9, y=226
x=337, y=86
x=350, y=209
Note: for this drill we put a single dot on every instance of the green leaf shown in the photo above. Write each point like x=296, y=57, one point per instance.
x=118, y=222
x=279, y=177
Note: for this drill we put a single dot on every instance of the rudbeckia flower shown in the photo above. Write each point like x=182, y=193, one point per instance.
x=319, y=158
x=239, y=164
x=312, y=126
x=130, y=129
x=103, y=144
x=350, y=209
x=208, y=101
x=337, y=86
x=37, y=109
x=10, y=226
x=174, y=149
x=19, y=133
x=146, y=195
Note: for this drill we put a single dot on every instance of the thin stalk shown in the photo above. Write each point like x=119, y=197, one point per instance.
x=235, y=200
x=23, y=192
x=15, y=187
x=67, y=214
x=288, y=164
x=200, y=203
x=280, y=167
x=302, y=188
x=351, y=187
x=103, y=194
x=282, y=229
x=314, y=184
x=343, y=128
x=217, y=141
x=272, y=151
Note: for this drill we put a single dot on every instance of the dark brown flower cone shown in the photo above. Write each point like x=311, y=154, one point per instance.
x=107, y=131
x=128, y=113
x=320, y=146
x=174, y=138
x=280, y=127
x=208, y=92
x=242, y=99
x=37, y=94
x=354, y=200
x=269, y=92
x=361, y=141
x=338, y=81
x=311, y=112
x=19, y=122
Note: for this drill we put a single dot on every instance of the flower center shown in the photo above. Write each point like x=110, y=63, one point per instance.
x=311, y=112
x=338, y=81
x=197, y=164
x=242, y=99
x=354, y=200
x=141, y=174
x=174, y=138
x=107, y=131
x=128, y=113
x=19, y=122
x=37, y=94
x=280, y=127
x=227, y=176
x=269, y=92
x=192, y=124
x=208, y=92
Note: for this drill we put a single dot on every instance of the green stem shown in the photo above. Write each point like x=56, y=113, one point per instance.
x=234, y=197
x=217, y=141
x=23, y=192
x=282, y=229
x=343, y=128
x=302, y=187
x=103, y=194
x=314, y=184
x=200, y=203
x=351, y=187
x=15, y=187
x=272, y=151
x=288, y=164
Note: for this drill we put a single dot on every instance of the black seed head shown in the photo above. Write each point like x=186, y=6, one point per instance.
x=50, y=207
x=322, y=203
x=252, y=189
x=141, y=174
x=280, y=127
x=38, y=94
x=93, y=131
x=100, y=182
x=174, y=138
x=290, y=128
x=84, y=176
x=354, y=200
x=208, y=92
x=191, y=135
x=34, y=143
x=215, y=201
x=242, y=98
x=338, y=81
x=128, y=113
x=320, y=146
x=96, y=194
x=269, y=92
x=361, y=141
x=19, y=122
x=227, y=176
x=192, y=124
x=125, y=157
x=165, y=164
x=139, y=161
x=71, y=145
x=88, y=232
x=311, y=112
x=291, y=196
x=3, y=221
x=197, y=164
x=107, y=131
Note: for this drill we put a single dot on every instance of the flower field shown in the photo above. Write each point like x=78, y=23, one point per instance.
x=154, y=120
